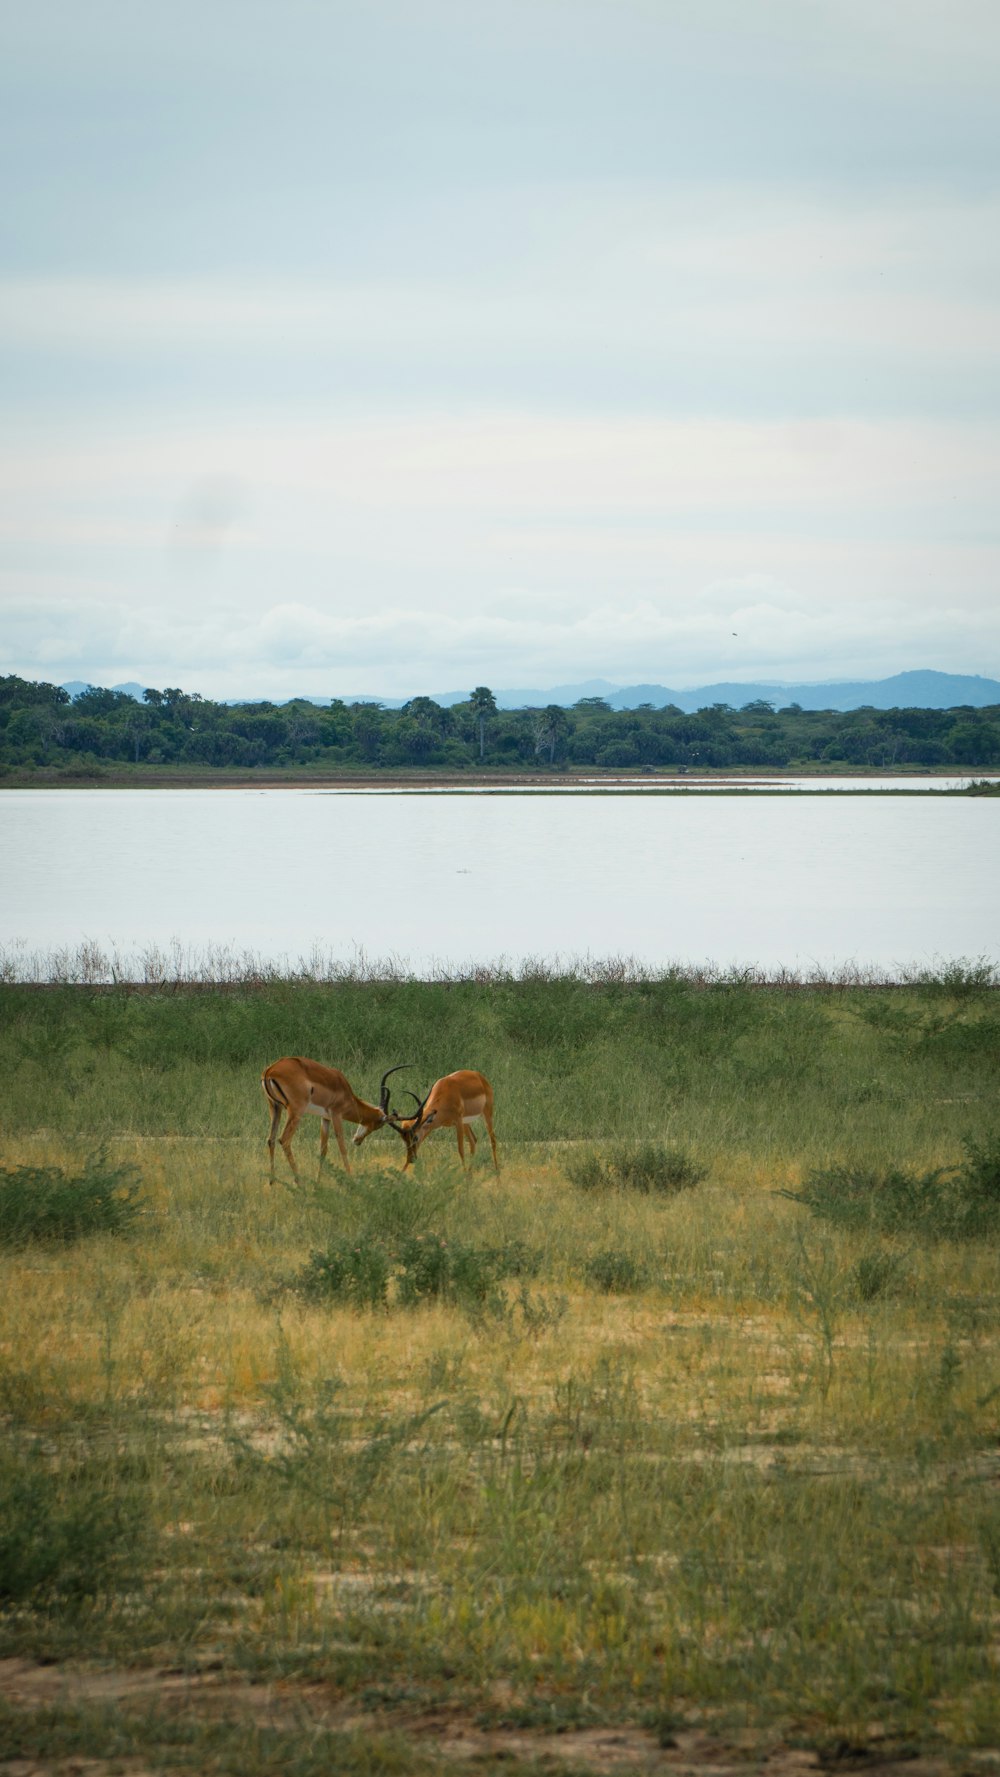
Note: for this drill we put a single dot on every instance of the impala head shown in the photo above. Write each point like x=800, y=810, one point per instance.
x=363, y=1131
x=411, y=1129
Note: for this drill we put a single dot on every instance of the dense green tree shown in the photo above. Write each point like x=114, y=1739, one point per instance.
x=41, y=727
x=29, y=692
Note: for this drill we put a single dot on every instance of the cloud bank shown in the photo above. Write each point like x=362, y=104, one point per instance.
x=408, y=346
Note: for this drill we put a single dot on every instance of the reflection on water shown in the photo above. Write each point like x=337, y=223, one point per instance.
x=794, y=882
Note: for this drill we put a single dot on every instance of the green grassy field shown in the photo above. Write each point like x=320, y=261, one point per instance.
x=678, y=1443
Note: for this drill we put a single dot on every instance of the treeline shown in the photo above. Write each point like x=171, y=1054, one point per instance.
x=41, y=726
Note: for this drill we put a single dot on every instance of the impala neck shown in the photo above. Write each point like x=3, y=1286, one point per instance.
x=368, y=1114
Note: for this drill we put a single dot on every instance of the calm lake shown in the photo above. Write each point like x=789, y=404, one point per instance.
x=435, y=881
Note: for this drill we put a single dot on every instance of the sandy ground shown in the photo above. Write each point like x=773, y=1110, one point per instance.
x=446, y=1734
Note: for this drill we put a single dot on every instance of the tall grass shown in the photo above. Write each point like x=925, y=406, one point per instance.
x=681, y=1460
x=178, y=965
x=817, y=1074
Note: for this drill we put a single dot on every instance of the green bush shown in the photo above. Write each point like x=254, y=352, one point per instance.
x=355, y=1271
x=614, y=1273
x=643, y=1166
x=423, y=1265
x=947, y=1203
x=67, y=1536
x=982, y=1168
x=426, y=1264
x=48, y=1203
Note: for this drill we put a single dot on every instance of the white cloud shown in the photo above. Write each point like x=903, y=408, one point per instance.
x=298, y=647
x=503, y=547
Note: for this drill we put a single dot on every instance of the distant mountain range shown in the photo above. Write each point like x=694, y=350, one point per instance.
x=913, y=690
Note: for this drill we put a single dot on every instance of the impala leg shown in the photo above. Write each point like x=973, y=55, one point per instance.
x=294, y=1119
x=488, y=1120
x=324, y=1139
x=470, y=1136
x=276, y=1110
x=461, y=1134
x=338, y=1130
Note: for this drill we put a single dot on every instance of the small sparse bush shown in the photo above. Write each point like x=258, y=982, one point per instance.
x=390, y=1205
x=645, y=1166
x=614, y=1273
x=531, y=1316
x=48, y=1203
x=326, y=1453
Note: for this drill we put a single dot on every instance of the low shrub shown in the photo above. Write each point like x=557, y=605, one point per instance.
x=982, y=1168
x=423, y=1267
x=47, y=1203
x=614, y=1273
x=434, y=1268
x=948, y=1203
x=355, y=1271
x=643, y=1166
x=67, y=1536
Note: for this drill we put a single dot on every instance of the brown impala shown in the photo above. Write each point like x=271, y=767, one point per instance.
x=452, y=1103
x=298, y=1087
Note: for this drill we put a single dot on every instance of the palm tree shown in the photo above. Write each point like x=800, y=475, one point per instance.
x=484, y=704
x=550, y=725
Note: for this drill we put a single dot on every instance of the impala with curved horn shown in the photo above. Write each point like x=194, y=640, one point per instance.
x=297, y=1086
x=454, y=1102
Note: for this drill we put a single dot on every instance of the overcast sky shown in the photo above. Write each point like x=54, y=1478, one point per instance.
x=407, y=345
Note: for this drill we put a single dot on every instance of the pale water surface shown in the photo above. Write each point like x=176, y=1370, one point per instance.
x=452, y=880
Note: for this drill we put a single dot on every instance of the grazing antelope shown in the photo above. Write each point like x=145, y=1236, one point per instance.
x=297, y=1086
x=452, y=1103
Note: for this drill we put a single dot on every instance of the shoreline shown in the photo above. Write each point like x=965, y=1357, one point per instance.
x=213, y=778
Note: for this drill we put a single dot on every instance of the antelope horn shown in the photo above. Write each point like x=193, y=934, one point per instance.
x=383, y=1091
x=419, y=1102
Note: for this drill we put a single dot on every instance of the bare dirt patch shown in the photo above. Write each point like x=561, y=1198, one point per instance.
x=452, y=1735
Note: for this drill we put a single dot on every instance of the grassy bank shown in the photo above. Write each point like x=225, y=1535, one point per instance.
x=670, y=1445
x=120, y=775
